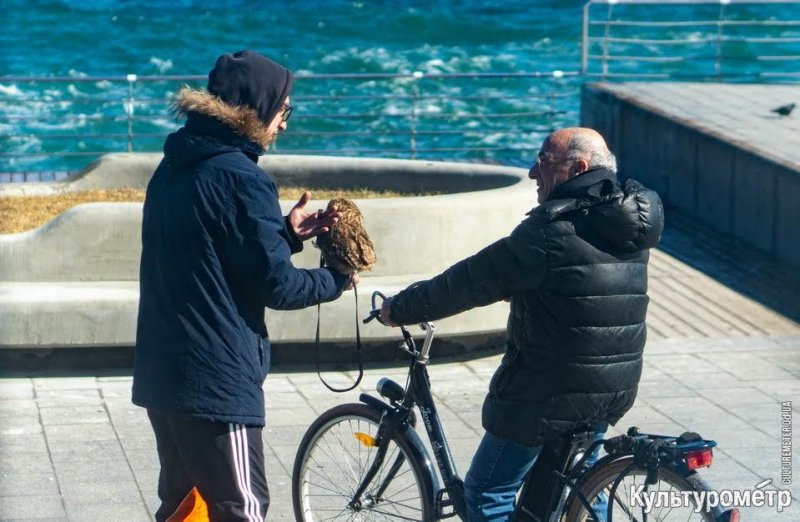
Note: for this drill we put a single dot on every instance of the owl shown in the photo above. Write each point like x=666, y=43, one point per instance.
x=347, y=247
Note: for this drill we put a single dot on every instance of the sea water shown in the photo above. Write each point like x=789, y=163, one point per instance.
x=64, y=125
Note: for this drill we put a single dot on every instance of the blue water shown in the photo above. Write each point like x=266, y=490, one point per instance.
x=61, y=126
x=182, y=37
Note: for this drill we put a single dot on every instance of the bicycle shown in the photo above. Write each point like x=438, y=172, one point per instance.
x=366, y=461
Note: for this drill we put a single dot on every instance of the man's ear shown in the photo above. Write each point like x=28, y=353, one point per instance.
x=581, y=166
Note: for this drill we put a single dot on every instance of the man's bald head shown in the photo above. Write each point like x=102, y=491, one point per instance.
x=589, y=145
x=567, y=153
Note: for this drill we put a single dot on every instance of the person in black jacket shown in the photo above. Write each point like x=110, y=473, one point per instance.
x=575, y=272
x=215, y=252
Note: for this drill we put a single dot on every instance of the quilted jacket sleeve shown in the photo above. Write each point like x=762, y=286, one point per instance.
x=510, y=265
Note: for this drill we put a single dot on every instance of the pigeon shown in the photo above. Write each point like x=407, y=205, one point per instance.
x=784, y=110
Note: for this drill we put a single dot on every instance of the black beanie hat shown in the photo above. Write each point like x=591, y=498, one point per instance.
x=251, y=79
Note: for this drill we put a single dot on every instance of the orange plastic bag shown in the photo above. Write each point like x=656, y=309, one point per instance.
x=192, y=509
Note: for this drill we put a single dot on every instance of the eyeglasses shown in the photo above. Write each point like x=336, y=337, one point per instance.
x=541, y=161
x=287, y=111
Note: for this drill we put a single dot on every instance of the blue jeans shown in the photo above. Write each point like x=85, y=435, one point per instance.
x=496, y=474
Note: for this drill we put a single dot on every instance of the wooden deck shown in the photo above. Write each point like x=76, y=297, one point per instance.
x=705, y=284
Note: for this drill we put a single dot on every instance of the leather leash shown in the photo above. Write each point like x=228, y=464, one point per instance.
x=358, y=343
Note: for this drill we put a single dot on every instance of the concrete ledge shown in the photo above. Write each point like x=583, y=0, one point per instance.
x=74, y=281
x=714, y=151
x=90, y=242
x=103, y=313
x=68, y=314
x=286, y=356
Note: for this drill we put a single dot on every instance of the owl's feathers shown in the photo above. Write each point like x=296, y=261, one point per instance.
x=347, y=247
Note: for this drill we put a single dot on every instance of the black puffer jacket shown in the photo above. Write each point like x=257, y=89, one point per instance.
x=576, y=272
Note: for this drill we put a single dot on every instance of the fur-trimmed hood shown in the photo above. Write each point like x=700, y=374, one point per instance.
x=244, y=121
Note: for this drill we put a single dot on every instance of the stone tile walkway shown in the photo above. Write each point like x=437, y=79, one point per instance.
x=75, y=448
x=720, y=361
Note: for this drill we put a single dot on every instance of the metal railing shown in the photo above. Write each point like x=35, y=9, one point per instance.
x=52, y=126
x=728, y=40
x=488, y=117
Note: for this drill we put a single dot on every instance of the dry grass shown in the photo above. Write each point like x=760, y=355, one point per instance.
x=18, y=214
x=21, y=213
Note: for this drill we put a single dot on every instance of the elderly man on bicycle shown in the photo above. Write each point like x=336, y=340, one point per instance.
x=576, y=274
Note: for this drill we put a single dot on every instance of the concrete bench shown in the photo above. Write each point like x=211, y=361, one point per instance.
x=74, y=281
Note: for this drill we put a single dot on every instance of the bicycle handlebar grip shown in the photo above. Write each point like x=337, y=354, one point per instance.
x=376, y=310
x=374, y=314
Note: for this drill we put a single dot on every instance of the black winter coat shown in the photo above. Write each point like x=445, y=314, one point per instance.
x=576, y=272
x=215, y=253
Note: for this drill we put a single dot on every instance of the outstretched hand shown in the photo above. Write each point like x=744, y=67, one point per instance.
x=307, y=225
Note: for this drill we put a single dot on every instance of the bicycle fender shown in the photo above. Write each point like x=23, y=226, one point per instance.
x=416, y=446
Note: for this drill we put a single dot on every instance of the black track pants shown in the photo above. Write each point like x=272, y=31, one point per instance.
x=224, y=461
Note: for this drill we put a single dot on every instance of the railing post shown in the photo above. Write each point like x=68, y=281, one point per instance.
x=720, y=17
x=606, y=35
x=412, y=139
x=585, y=40
x=131, y=80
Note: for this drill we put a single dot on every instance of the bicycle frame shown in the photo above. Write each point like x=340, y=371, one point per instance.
x=418, y=393
x=399, y=414
x=558, y=467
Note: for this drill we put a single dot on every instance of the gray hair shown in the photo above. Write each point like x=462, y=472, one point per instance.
x=592, y=150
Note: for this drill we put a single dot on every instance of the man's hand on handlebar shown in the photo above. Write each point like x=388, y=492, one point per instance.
x=386, y=308
x=383, y=313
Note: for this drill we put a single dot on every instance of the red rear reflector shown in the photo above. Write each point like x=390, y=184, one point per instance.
x=699, y=459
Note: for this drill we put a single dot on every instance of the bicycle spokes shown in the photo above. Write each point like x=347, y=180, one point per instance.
x=347, y=476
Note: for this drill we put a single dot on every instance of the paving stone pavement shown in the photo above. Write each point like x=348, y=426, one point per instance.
x=75, y=448
x=720, y=361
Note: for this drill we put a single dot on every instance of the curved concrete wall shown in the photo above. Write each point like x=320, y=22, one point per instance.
x=47, y=274
x=133, y=170
x=91, y=242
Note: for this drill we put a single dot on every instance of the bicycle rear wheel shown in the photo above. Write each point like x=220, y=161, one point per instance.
x=597, y=484
x=332, y=460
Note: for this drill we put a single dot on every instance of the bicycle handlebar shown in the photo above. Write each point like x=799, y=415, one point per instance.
x=427, y=327
x=375, y=313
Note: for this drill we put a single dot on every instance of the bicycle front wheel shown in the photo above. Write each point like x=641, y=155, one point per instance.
x=332, y=460
x=630, y=502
